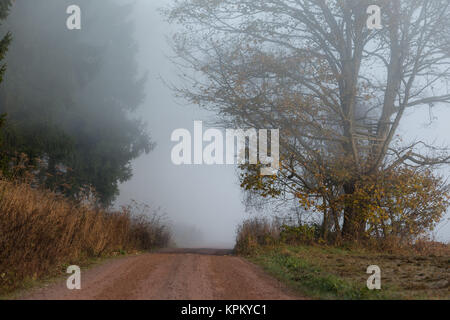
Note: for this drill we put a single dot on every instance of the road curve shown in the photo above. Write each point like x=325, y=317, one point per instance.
x=182, y=274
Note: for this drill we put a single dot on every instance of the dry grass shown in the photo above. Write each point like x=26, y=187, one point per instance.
x=41, y=232
x=255, y=232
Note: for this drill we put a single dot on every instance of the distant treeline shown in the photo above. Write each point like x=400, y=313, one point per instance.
x=67, y=97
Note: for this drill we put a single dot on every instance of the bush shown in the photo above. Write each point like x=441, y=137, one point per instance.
x=298, y=234
x=255, y=232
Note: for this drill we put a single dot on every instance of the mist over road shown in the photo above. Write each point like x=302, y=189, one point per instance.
x=180, y=274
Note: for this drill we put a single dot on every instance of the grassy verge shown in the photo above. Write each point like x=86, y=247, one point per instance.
x=41, y=233
x=322, y=272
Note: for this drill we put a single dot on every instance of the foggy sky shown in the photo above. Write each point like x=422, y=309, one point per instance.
x=208, y=197
x=205, y=197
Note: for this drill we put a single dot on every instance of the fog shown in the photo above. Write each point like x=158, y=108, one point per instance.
x=203, y=203
x=208, y=198
x=200, y=198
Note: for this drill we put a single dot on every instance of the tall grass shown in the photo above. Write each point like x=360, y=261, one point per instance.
x=41, y=231
x=255, y=232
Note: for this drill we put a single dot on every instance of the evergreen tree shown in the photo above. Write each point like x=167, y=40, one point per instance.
x=4, y=43
x=70, y=95
x=6, y=40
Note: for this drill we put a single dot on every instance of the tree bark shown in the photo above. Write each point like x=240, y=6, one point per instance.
x=325, y=224
x=354, y=221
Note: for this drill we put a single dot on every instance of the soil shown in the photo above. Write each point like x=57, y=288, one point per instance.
x=187, y=274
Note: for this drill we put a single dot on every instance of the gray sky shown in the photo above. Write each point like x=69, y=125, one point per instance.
x=204, y=197
x=207, y=197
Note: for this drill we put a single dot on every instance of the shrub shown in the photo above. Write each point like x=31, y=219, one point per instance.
x=255, y=232
x=298, y=234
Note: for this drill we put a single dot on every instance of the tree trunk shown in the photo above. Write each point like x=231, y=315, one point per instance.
x=354, y=222
x=325, y=225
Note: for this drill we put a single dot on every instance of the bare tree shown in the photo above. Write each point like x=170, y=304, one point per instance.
x=313, y=68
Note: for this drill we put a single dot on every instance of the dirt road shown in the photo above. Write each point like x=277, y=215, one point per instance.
x=200, y=274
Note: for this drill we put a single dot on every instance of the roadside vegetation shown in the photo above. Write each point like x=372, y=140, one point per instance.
x=41, y=233
x=316, y=269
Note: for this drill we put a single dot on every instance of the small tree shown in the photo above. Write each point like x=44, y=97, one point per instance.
x=403, y=204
